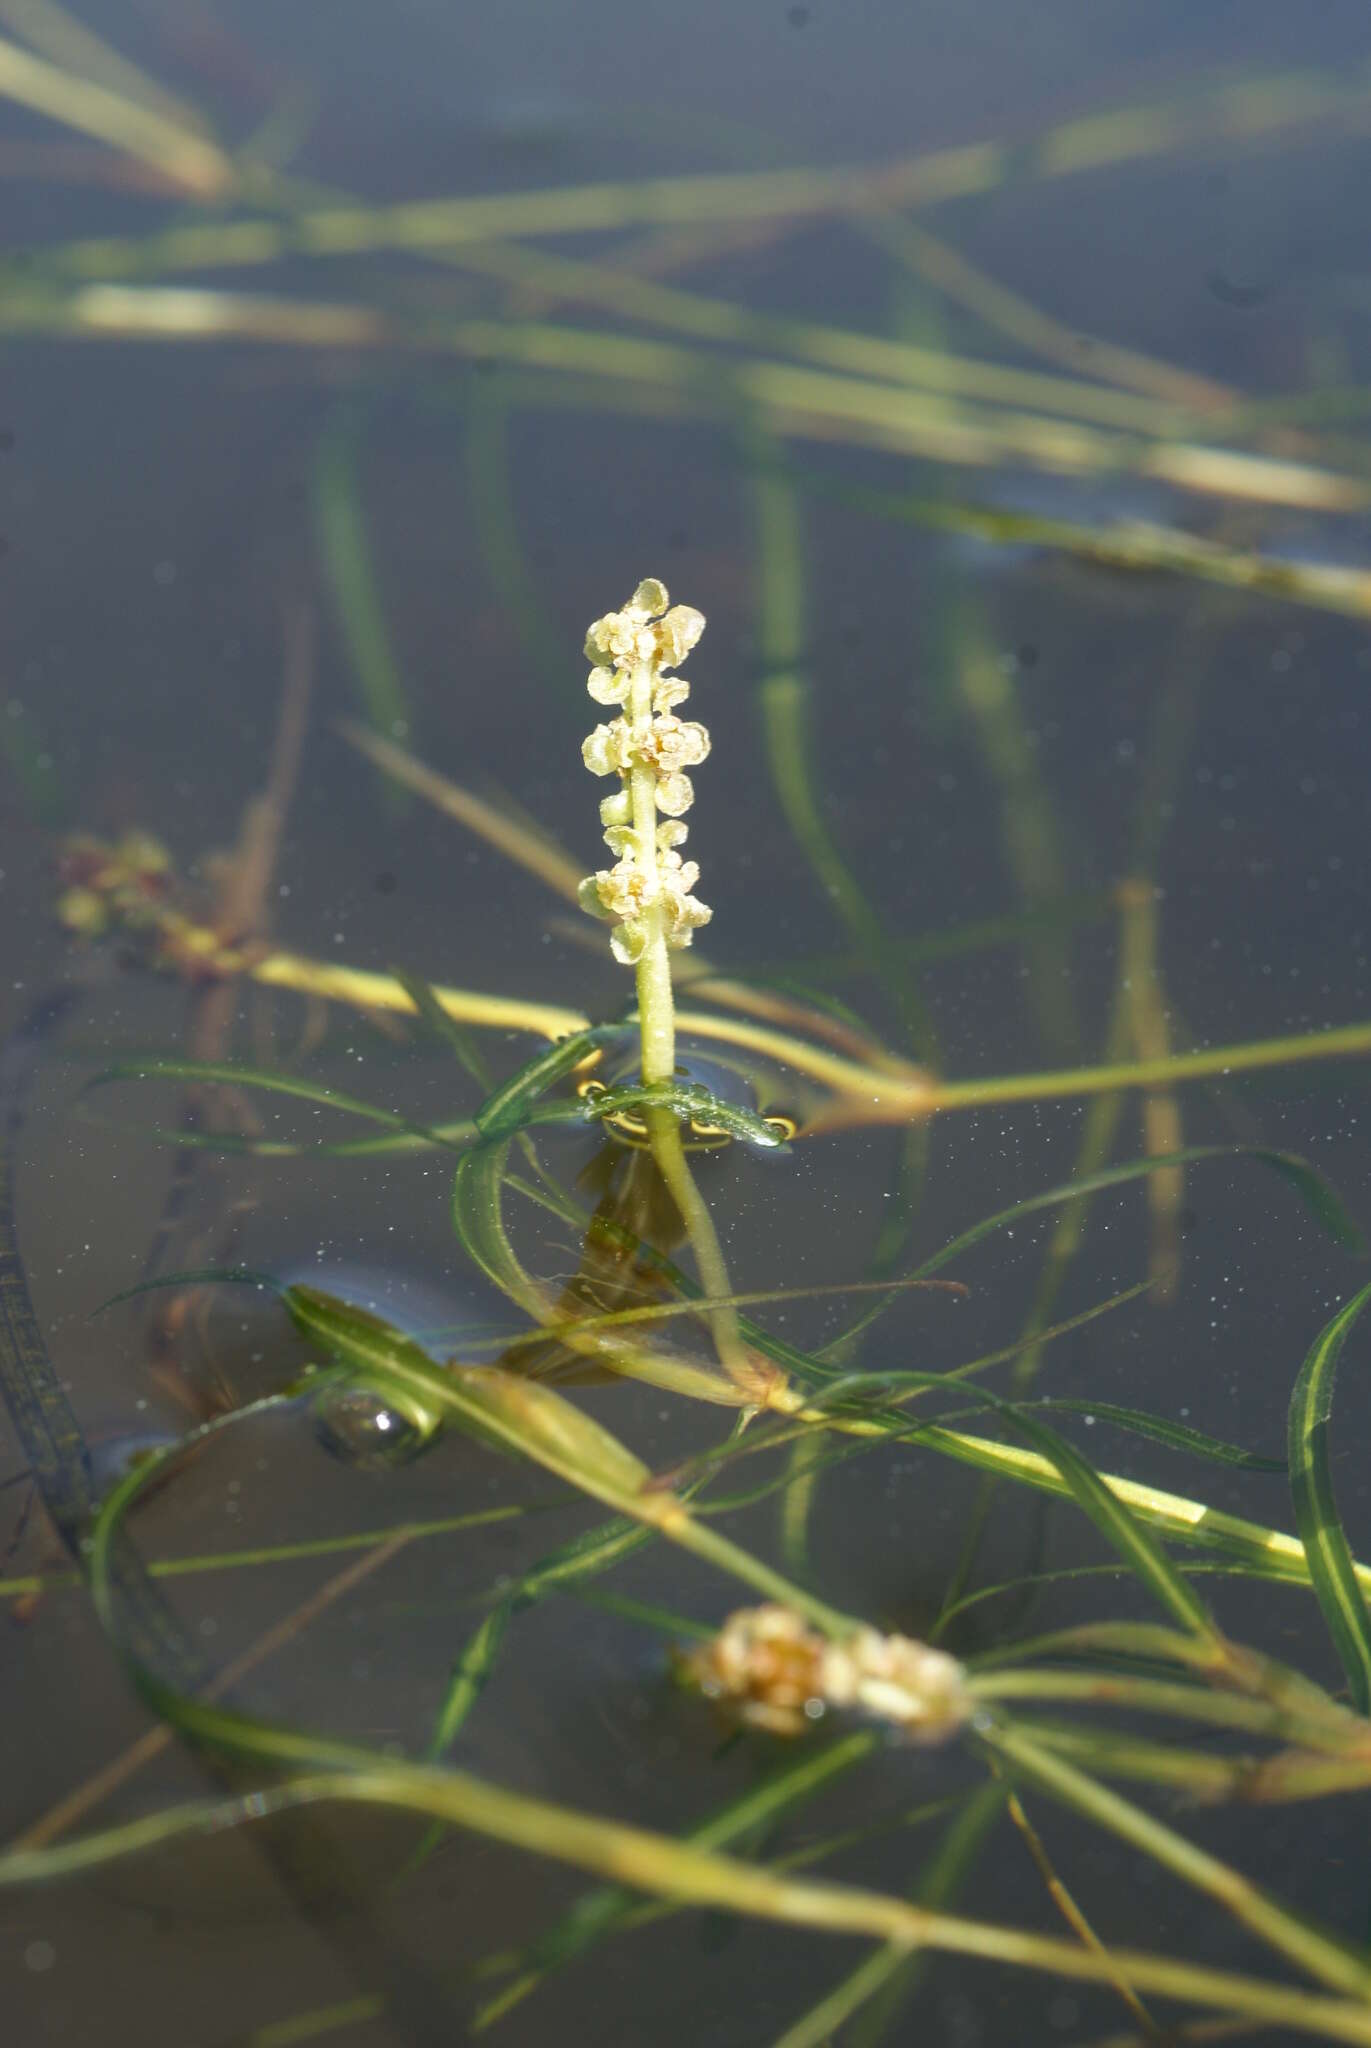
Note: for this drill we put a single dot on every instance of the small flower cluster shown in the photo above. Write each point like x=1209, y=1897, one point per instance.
x=128, y=883
x=632, y=651
x=779, y=1674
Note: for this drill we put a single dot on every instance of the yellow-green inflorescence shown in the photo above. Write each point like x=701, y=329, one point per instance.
x=648, y=890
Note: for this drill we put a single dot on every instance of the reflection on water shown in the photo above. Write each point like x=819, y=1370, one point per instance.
x=998, y=825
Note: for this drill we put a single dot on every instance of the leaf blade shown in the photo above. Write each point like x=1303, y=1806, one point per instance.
x=1331, y=1563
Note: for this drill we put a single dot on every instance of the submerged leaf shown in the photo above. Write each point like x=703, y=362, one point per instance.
x=341, y=532
x=1331, y=1564
x=1177, y=1436
x=548, y=1427
x=511, y=1105
x=228, y=1073
x=1316, y=1192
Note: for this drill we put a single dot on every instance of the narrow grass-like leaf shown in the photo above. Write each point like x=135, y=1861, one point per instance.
x=469, y=1678
x=1195, y=1443
x=340, y=524
x=1330, y=1960
x=1257, y=1549
x=885, y=1980
x=1033, y=856
x=230, y=1074
x=1146, y=547
x=1113, y=1517
x=1101, y=1499
x=510, y=1106
x=699, y=1304
x=1199, y=1775
x=841, y=1407
x=496, y=820
x=1029, y=1582
x=593, y=1551
x=26, y=753
x=157, y=135
x=493, y=509
x=516, y=1415
x=598, y=1913
x=196, y=1276
x=656, y=1863
x=478, y=1220
x=567, y=1569
x=647, y=1613
x=784, y=703
x=1217, y=1063
x=454, y=1137
x=1317, y=1194
x=1260, y=1547
x=280, y=1553
x=1074, y=910
x=1240, y=109
x=1331, y=1565
x=1322, y=1728
x=1177, y=1436
x=456, y=1037
x=530, y=1420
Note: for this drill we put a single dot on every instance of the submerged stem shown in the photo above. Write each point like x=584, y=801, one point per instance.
x=669, y=1154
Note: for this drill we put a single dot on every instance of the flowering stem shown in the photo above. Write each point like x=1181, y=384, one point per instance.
x=648, y=889
x=656, y=1008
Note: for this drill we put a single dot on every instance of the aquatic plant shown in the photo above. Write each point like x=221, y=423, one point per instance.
x=580, y=1198
x=786, y=1666
x=637, y=653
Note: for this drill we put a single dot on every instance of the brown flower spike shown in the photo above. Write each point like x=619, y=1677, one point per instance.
x=778, y=1673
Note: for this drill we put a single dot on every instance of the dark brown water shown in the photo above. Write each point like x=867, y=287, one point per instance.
x=993, y=730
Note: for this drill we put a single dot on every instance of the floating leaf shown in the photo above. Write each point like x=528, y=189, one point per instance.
x=692, y=1102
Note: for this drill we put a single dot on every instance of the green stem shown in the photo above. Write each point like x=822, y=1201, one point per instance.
x=684, y=1874
x=1211, y=1062
x=657, y=1032
x=656, y=1009
x=664, y=1136
x=1327, y=1959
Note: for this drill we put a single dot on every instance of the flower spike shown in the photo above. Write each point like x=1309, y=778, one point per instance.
x=648, y=890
